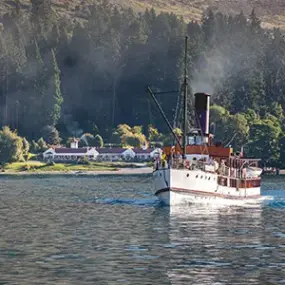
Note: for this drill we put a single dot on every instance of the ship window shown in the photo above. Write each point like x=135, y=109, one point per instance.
x=197, y=176
x=209, y=178
x=206, y=177
x=201, y=177
x=188, y=175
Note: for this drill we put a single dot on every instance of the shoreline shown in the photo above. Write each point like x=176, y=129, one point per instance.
x=116, y=171
x=119, y=171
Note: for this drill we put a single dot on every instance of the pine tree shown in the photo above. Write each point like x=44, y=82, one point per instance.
x=57, y=100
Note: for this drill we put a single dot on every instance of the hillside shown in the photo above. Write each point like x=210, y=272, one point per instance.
x=272, y=12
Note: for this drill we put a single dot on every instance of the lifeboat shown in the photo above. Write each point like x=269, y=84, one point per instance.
x=253, y=171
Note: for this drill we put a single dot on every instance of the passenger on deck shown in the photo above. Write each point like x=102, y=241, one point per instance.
x=210, y=161
x=194, y=163
x=163, y=160
x=223, y=167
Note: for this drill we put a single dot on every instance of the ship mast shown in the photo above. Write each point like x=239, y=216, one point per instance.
x=185, y=100
x=185, y=83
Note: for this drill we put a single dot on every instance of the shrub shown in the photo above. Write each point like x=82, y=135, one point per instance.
x=84, y=160
x=26, y=167
x=50, y=163
x=11, y=146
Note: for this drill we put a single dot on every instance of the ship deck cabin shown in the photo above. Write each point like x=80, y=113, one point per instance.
x=200, y=154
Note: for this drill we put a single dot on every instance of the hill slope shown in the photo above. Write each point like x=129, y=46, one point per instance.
x=272, y=12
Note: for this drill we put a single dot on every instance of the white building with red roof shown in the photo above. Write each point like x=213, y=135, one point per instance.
x=115, y=154
x=71, y=153
x=147, y=154
x=102, y=154
x=68, y=154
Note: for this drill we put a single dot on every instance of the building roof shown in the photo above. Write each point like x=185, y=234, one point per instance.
x=143, y=151
x=116, y=150
x=63, y=150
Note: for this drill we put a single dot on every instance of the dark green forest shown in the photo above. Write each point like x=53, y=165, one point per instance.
x=91, y=75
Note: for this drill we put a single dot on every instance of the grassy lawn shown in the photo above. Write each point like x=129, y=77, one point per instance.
x=37, y=166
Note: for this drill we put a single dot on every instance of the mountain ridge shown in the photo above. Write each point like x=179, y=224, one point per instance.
x=271, y=12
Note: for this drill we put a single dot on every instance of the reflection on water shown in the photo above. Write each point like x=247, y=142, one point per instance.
x=111, y=230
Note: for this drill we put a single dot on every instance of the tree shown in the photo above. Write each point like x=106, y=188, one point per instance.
x=42, y=146
x=11, y=146
x=34, y=148
x=56, y=90
x=277, y=111
x=282, y=150
x=26, y=148
x=237, y=131
x=98, y=141
x=116, y=138
x=153, y=134
x=135, y=140
x=42, y=17
x=264, y=141
x=169, y=139
x=219, y=118
x=251, y=116
x=51, y=135
x=137, y=130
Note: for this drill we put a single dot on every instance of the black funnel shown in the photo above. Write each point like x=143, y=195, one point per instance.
x=202, y=110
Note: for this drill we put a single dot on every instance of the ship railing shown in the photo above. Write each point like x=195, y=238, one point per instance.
x=223, y=170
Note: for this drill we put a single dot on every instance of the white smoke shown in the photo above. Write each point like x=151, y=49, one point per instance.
x=72, y=126
x=210, y=72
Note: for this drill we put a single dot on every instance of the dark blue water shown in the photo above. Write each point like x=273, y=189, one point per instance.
x=111, y=230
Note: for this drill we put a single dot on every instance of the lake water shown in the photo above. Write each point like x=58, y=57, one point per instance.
x=112, y=230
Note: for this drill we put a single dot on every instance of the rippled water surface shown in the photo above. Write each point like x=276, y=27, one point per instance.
x=111, y=230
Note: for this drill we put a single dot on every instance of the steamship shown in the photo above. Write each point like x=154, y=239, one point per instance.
x=197, y=170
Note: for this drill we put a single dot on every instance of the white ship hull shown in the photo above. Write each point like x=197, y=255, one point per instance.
x=182, y=186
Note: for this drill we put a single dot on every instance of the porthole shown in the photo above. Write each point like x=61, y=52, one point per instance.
x=188, y=175
x=197, y=176
x=209, y=178
x=201, y=177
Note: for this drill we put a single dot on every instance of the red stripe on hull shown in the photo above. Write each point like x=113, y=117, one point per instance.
x=203, y=193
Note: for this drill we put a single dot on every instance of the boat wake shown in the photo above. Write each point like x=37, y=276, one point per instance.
x=267, y=201
x=152, y=202
x=274, y=199
x=274, y=202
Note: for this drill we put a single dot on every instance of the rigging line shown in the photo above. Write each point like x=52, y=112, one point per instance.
x=164, y=116
x=149, y=111
x=226, y=145
x=178, y=105
x=166, y=92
